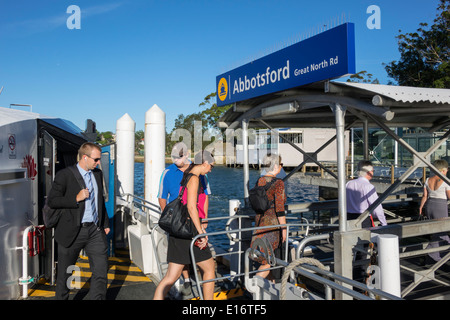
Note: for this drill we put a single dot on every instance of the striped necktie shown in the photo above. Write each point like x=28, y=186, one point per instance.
x=92, y=198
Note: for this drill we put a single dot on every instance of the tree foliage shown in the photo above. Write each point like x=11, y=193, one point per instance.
x=105, y=138
x=363, y=77
x=208, y=118
x=424, y=54
x=212, y=113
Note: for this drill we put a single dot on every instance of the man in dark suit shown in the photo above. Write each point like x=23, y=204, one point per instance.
x=84, y=222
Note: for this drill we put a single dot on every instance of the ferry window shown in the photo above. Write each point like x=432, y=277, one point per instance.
x=9, y=177
x=292, y=137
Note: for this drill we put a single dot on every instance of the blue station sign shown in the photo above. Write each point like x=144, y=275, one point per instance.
x=328, y=55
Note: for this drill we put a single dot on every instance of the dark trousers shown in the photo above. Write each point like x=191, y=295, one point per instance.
x=359, y=272
x=367, y=223
x=93, y=240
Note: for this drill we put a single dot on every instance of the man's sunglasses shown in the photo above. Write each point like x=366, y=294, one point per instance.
x=95, y=159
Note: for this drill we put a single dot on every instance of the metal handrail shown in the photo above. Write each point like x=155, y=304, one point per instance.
x=281, y=264
x=155, y=250
x=326, y=282
x=288, y=226
x=149, y=209
x=305, y=241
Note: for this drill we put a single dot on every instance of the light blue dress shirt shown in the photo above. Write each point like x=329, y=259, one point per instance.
x=88, y=213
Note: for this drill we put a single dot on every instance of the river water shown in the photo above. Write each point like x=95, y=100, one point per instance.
x=227, y=184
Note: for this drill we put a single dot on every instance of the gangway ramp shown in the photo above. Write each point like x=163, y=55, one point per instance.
x=125, y=281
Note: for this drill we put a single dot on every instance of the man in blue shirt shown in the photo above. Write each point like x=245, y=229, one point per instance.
x=84, y=223
x=169, y=188
x=169, y=184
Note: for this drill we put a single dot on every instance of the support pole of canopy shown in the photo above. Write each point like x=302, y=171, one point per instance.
x=352, y=142
x=246, y=162
x=366, y=139
x=339, y=112
x=396, y=149
x=344, y=241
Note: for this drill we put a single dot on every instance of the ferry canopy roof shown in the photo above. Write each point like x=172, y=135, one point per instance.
x=8, y=116
x=310, y=106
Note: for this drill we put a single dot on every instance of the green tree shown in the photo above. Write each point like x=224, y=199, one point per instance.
x=363, y=77
x=187, y=122
x=105, y=138
x=138, y=146
x=213, y=112
x=183, y=122
x=424, y=55
x=208, y=118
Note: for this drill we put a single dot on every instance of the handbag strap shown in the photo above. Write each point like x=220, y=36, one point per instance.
x=188, y=177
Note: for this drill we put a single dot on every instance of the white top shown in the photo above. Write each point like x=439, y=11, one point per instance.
x=439, y=193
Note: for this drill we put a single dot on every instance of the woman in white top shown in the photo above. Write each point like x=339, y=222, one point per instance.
x=435, y=196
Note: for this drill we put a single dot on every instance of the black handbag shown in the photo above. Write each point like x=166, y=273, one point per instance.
x=175, y=219
x=50, y=216
x=257, y=197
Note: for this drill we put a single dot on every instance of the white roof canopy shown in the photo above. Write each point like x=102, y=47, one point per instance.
x=397, y=106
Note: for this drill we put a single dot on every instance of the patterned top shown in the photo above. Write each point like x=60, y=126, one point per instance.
x=270, y=236
x=275, y=191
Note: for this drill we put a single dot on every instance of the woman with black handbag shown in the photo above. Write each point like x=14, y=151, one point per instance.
x=275, y=215
x=178, y=254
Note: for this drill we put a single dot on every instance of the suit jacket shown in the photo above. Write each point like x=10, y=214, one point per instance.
x=63, y=196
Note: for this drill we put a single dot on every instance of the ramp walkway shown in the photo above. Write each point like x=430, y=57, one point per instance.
x=125, y=281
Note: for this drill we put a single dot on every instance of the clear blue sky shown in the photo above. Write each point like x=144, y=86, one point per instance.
x=132, y=54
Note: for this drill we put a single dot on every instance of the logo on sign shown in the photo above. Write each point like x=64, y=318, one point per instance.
x=222, y=89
